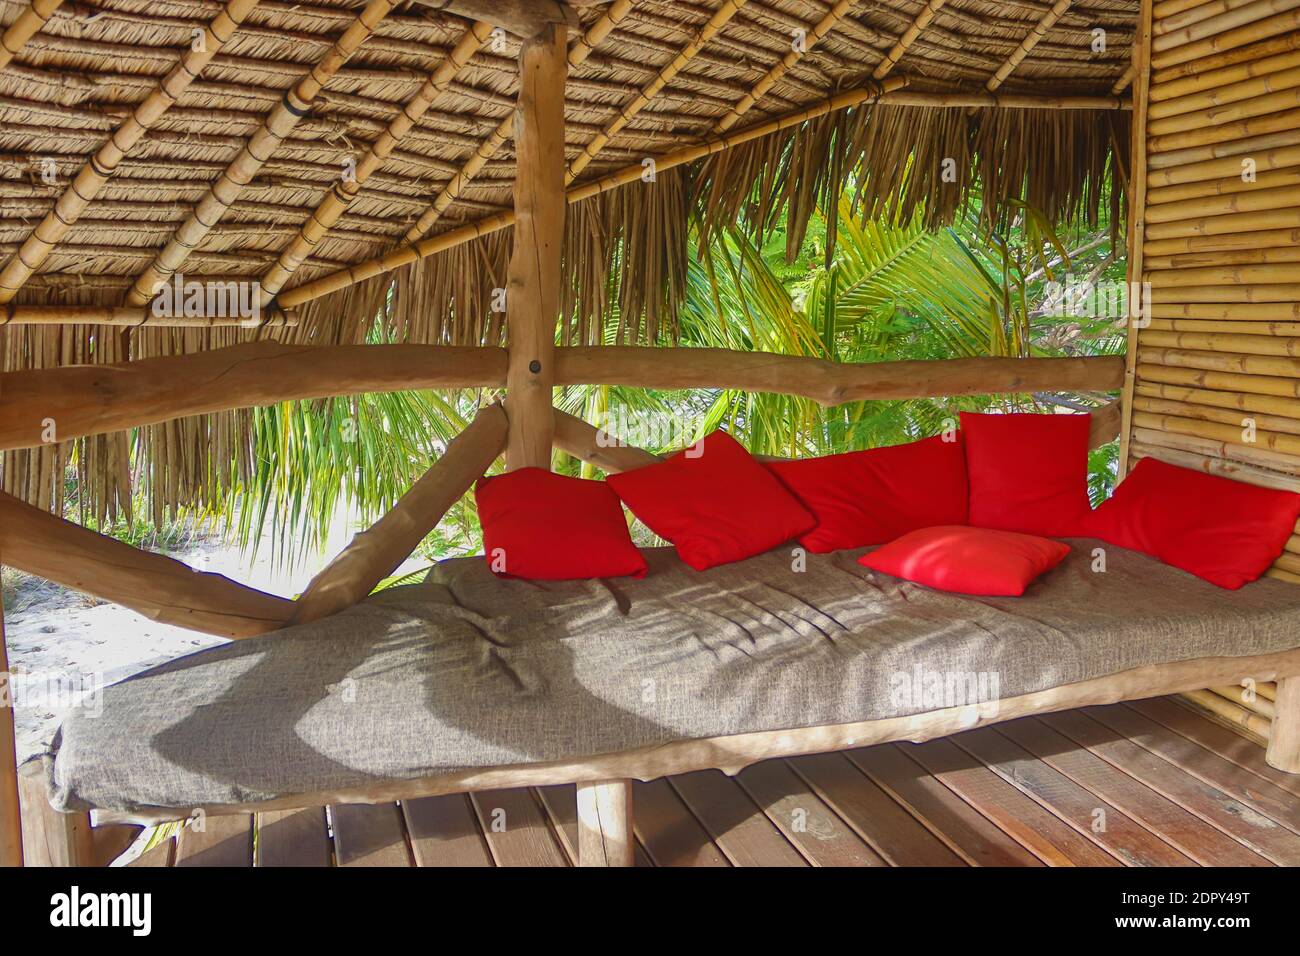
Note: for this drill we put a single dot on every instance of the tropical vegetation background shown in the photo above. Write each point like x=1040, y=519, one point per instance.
x=851, y=289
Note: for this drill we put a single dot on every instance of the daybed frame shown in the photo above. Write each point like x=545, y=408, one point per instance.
x=1210, y=258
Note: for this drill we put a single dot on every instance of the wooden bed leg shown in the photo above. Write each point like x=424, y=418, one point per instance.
x=1284, y=738
x=51, y=838
x=605, y=835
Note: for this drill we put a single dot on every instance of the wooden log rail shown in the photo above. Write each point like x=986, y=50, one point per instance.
x=156, y=586
x=81, y=400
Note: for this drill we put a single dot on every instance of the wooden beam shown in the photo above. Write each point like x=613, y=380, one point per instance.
x=721, y=17
x=97, y=172
x=11, y=826
x=158, y=587
x=340, y=198
x=296, y=103
x=1045, y=23
x=830, y=383
x=523, y=18
x=582, y=48
x=885, y=66
x=1106, y=423
x=375, y=554
x=605, y=834
x=533, y=285
x=1284, y=737
x=134, y=317
x=26, y=26
x=51, y=838
x=598, y=447
x=81, y=400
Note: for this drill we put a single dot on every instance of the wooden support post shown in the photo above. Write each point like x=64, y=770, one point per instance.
x=11, y=834
x=533, y=296
x=605, y=835
x=377, y=553
x=1284, y=738
x=51, y=838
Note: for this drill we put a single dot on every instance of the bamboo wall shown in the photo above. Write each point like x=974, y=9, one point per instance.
x=1214, y=370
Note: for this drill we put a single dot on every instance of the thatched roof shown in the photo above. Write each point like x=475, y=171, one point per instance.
x=652, y=76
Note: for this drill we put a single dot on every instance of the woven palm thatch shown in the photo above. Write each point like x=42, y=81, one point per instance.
x=422, y=106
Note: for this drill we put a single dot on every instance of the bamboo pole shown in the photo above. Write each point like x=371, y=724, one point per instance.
x=1203, y=72
x=1240, y=275
x=1279, y=292
x=278, y=124
x=1237, y=15
x=1225, y=242
x=133, y=317
x=26, y=26
x=1287, y=133
x=1229, y=166
x=1252, y=701
x=1217, y=116
x=787, y=63
x=1220, y=416
x=1137, y=231
x=344, y=193
x=721, y=17
x=375, y=554
x=97, y=172
x=153, y=585
x=1280, y=54
x=533, y=299
x=1241, y=36
x=1187, y=437
x=11, y=825
x=94, y=399
x=1045, y=23
x=1242, y=327
x=1237, y=404
x=1162, y=369
x=1202, y=10
x=1227, y=224
x=1230, y=711
x=578, y=54
x=1270, y=179
x=886, y=66
x=1222, y=95
x=1224, y=342
x=1250, y=312
x=1264, y=365
x=1222, y=467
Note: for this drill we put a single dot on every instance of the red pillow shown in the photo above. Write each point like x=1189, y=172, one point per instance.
x=968, y=560
x=1028, y=473
x=870, y=497
x=551, y=527
x=1227, y=532
x=714, y=502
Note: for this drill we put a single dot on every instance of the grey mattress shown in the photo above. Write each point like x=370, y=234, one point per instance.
x=467, y=670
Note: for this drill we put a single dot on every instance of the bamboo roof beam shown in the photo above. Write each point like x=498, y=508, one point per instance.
x=279, y=123
x=824, y=26
x=721, y=17
x=140, y=316
x=95, y=399
x=885, y=66
x=156, y=586
x=344, y=193
x=28, y=24
x=375, y=554
x=579, y=51
x=97, y=172
x=1046, y=23
x=523, y=18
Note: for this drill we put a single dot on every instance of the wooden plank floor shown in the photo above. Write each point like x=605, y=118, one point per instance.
x=1151, y=783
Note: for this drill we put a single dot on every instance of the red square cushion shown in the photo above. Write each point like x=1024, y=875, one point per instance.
x=714, y=502
x=870, y=497
x=968, y=560
x=1028, y=473
x=1227, y=532
x=551, y=527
